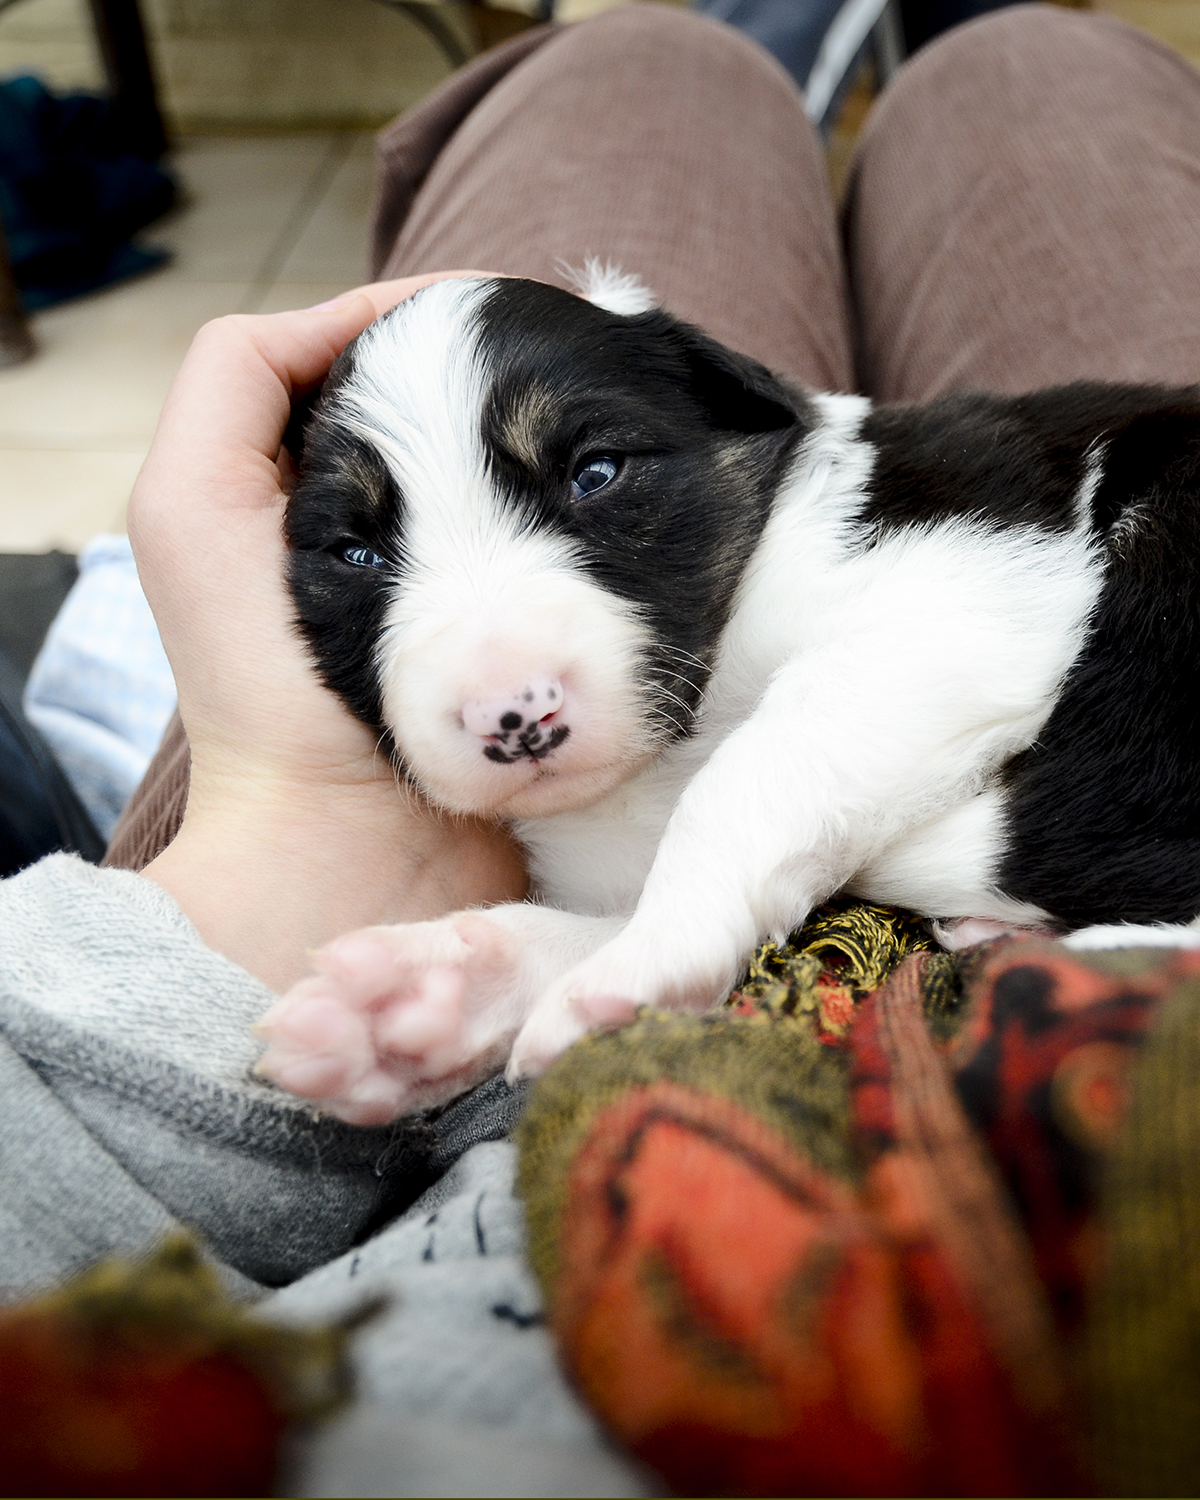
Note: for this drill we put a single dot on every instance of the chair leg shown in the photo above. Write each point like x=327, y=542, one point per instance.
x=122, y=40
x=16, y=341
x=887, y=43
x=430, y=20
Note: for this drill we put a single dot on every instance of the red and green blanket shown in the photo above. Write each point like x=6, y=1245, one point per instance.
x=891, y=1223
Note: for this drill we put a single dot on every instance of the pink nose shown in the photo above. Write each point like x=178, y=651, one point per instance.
x=519, y=723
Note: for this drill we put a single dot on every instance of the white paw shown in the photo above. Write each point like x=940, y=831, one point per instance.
x=606, y=991
x=396, y=1019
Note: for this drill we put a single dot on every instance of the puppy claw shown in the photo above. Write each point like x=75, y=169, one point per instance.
x=549, y=1031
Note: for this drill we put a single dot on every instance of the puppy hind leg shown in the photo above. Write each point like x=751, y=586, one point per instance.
x=956, y=933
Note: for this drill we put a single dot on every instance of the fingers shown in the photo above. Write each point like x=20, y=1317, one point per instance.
x=242, y=372
x=384, y=295
x=234, y=390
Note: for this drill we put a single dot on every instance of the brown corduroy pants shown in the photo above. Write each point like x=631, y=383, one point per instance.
x=1024, y=209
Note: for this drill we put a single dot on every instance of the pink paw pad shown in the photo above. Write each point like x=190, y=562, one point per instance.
x=316, y=1046
x=426, y=1023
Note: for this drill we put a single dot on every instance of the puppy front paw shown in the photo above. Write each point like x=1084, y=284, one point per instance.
x=396, y=1019
x=560, y=1017
x=606, y=991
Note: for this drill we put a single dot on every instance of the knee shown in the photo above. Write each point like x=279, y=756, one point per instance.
x=1021, y=50
x=1026, y=73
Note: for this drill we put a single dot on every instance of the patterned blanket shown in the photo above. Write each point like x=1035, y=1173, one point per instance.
x=892, y=1223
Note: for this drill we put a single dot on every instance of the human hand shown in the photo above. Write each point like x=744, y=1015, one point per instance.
x=295, y=829
x=205, y=520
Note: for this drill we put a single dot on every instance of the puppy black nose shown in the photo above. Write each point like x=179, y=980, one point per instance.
x=524, y=722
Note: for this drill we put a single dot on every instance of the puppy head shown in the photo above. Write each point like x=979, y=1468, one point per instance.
x=519, y=527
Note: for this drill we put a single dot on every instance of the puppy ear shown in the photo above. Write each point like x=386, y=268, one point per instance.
x=609, y=287
x=738, y=393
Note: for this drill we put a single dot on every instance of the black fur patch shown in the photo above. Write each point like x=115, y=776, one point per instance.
x=701, y=435
x=968, y=455
x=1104, y=811
x=1019, y=460
x=346, y=497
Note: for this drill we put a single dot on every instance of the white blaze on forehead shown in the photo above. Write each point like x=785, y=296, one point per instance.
x=484, y=601
x=417, y=394
x=417, y=387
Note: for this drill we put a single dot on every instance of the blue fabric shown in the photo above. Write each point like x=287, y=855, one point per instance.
x=791, y=30
x=72, y=194
x=820, y=42
x=101, y=690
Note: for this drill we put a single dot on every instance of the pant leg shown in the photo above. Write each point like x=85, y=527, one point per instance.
x=406, y=150
x=664, y=142
x=152, y=816
x=1025, y=209
x=656, y=139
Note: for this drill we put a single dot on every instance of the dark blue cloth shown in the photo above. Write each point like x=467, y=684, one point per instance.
x=39, y=813
x=924, y=19
x=794, y=31
x=72, y=193
x=791, y=30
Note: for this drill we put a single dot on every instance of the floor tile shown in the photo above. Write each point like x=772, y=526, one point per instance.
x=55, y=40
x=54, y=498
x=295, y=64
x=247, y=201
x=332, y=245
x=104, y=364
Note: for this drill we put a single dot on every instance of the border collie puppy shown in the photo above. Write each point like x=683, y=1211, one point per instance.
x=716, y=649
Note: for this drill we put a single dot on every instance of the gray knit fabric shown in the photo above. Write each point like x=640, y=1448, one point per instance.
x=141, y=1034
x=460, y=1392
x=461, y=1337
x=127, y=1107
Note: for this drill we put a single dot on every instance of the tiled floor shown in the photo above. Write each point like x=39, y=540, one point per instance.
x=273, y=223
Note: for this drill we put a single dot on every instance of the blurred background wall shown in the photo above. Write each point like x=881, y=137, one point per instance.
x=238, y=65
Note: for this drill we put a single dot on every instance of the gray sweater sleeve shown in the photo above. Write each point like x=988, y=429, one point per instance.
x=129, y=1103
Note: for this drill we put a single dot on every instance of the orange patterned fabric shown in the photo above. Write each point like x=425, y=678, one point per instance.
x=831, y=1351
x=928, y=1315
x=749, y=1324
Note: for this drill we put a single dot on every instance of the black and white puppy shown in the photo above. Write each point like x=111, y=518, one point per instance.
x=718, y=648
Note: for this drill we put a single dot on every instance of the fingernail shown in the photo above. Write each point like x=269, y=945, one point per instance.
x=333, y=302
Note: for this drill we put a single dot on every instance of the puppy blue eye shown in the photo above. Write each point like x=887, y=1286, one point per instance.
x=363, y=557
x=593, y=476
